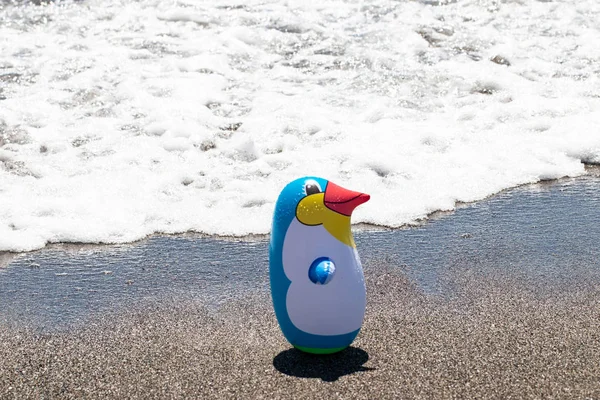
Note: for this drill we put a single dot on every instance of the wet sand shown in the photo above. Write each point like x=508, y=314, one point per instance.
x=495, y=339
x=500, y=299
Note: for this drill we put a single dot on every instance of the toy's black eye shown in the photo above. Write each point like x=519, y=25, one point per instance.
x=312, y=187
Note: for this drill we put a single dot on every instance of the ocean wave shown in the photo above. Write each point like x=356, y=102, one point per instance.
x=120, y=119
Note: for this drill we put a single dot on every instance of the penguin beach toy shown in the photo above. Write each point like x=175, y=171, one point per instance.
x=317, y=282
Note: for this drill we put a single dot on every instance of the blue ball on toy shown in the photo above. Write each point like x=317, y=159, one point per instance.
x=321, y=271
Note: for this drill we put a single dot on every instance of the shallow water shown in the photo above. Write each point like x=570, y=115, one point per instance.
x=53, y=286
x=543, y=234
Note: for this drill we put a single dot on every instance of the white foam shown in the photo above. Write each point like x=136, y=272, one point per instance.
x=119, y=119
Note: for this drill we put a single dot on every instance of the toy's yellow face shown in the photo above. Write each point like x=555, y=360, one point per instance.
x=331, y=208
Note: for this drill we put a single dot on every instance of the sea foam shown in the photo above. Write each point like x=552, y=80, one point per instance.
x=119, y=119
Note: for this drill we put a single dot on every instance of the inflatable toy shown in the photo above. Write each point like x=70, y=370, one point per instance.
x=317, y=282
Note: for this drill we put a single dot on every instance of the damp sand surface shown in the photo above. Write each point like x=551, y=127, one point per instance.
x=500, y=299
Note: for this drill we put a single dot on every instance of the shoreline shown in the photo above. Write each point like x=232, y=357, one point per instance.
x=592, y=171
x=63, y=284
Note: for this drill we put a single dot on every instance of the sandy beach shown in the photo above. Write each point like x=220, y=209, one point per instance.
x=499, y=299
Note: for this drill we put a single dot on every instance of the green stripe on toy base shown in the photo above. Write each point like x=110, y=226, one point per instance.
x=316, y=350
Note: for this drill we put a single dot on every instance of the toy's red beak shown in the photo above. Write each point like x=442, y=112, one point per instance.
x=342, y=200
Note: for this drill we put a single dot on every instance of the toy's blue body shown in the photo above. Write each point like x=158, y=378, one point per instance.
x=317, y=283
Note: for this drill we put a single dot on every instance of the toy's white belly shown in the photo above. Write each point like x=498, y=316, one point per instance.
x=332, y=309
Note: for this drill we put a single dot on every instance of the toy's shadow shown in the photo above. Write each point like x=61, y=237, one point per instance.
x=327, y=367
